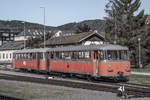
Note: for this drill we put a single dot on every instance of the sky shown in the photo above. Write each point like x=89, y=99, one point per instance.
x=57, y=12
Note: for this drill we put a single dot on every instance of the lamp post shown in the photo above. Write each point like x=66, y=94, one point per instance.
x=44, y=24
x=139, y=40
x=24, y=35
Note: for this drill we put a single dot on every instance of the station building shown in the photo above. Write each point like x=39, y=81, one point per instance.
x=85, y=38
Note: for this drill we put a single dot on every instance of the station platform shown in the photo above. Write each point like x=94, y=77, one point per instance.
x=140, y=73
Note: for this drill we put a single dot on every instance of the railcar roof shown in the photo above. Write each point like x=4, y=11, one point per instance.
x=32, y=50
x=90, y=47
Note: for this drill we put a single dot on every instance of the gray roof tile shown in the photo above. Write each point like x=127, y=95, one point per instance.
x=12, y=45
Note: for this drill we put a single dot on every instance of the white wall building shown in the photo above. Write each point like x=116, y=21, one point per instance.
x=6, y=56
x=7, y=49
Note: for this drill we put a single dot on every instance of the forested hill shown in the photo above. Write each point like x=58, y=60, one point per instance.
x=93, y=24
x=70, y=27
x=19, y=25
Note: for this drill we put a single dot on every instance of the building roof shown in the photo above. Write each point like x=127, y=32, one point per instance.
x=75, y=48
x=72, y=39
x=90, y=47
x=32, y=50
x=12, y=45
x=32, y=32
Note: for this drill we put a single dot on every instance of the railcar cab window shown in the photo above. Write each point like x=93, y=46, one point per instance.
x=123, y=55
x=112, y=55
x=115, y=55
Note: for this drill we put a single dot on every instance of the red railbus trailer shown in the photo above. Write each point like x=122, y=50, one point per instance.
x=31, y=59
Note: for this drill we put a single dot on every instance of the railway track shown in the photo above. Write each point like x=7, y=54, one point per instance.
x=4, y=97
x=132, y=89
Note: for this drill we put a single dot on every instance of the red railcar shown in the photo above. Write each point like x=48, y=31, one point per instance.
x=97, y=61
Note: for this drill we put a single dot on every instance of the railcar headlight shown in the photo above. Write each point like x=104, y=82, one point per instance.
x=127, y=66
x=109, y=65
x=110, y=70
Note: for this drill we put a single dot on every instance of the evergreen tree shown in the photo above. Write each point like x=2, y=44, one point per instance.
x=123, y=25
x=146, y=45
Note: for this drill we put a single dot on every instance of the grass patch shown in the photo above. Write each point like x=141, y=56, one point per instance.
x=145, y=69
x=28, y=91
x=140, y=78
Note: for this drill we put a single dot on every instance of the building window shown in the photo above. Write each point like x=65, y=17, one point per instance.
x=3, y=55
x=10, y=55
x=6, y=56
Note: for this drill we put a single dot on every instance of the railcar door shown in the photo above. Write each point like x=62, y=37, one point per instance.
x=47, y=61
x=38, y=60
x=95, y=63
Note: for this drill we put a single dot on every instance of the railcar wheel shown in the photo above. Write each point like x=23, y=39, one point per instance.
x=116, y=80
x=89, y=78
x=125, y=79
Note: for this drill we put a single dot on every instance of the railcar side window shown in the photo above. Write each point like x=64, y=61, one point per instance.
x=81, y=55
x=75, y=55
x=67, y=55
x=34, y=56
x=72, y=55
x=57, y=55
x=87, y=55
x=41, y=55
x=25, y=56
x=52, y=55
x=30, y=56
x=16, y=56
x=102, y=55
x=22, y=56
